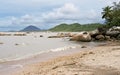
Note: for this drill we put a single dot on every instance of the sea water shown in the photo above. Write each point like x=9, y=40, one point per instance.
x=20, y=47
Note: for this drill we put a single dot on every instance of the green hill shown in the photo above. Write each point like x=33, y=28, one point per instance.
x=76, y=27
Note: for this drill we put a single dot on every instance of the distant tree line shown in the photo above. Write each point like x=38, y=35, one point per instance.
x=76, y=27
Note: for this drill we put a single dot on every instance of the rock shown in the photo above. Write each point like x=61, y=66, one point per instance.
x=102, y=30
x=91, y=53
x=41, y=35
x=94, y=33
x=107, y=37
x=64, y=34
x=113, y=32
x=83, y=47
x=16, y=44
x=118, y=37
x=100, y=37
x=19, y=34
x=115, y=28
x=83, y=36
x=1, y=43
x=54, y=36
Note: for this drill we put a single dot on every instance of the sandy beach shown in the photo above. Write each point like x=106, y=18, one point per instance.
x=100, y=60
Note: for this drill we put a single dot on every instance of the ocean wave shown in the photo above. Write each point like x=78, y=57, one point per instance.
x=38, y=53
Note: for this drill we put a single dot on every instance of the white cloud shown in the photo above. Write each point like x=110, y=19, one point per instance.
x=109, y=2
x=47, y=13
x=68, y=11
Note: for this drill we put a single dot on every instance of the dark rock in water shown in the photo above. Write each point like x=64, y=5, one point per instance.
x=100, y=37
x=1, y=43
x=20, y=34
x=54, y=37
x=30, y=28
x=41, y=35
x=16, y=44
x=83, y=47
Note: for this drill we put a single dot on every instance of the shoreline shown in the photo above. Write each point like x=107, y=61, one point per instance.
x=12, y=66
x=100, y=60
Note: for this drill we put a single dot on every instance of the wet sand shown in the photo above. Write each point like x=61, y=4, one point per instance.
x=101, y=60
x=13, y=66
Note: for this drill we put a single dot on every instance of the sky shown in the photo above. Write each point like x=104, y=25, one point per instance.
x=17, y=14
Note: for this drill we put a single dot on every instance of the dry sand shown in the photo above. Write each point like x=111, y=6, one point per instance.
x=101, y=60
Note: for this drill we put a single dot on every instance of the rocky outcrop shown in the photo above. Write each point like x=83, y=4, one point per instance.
x=100, y=34
x=83, y=36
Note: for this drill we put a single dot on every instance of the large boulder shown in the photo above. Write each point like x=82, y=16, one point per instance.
x=100, y=37
x=94, y=33
x=115, y=28
x=83, y=36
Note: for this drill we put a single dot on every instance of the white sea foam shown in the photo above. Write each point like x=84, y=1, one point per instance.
x=38, y=53
x=17, y=66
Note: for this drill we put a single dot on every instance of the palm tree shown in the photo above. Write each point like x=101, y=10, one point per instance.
x=107, y=12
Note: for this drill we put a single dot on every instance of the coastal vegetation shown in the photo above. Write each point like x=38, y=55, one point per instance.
x=75, y=27
x=111, y=14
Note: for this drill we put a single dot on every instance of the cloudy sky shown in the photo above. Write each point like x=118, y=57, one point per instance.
x=17, y=14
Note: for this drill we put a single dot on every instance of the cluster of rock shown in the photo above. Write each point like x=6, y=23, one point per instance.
x=100, y=34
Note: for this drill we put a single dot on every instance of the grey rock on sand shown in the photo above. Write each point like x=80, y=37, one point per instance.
x=82, y=36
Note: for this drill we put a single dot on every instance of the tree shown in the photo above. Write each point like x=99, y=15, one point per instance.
x=111, y=14
x=107, y=14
